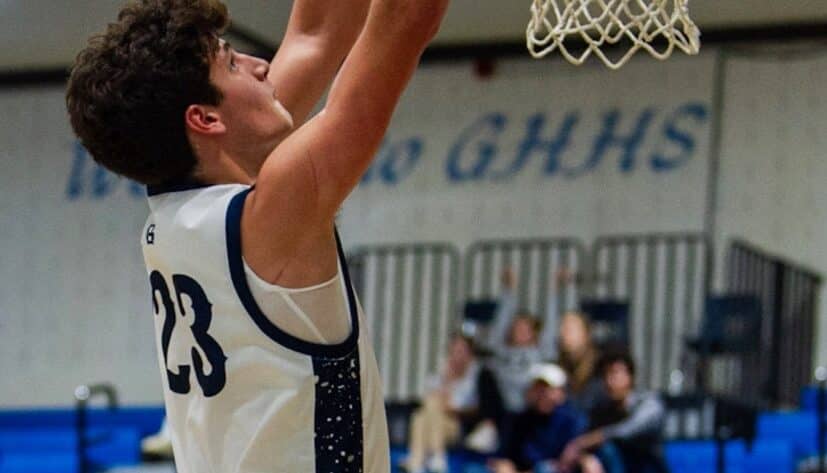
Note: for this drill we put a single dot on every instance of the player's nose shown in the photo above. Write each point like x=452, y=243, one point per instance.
x=260, y=69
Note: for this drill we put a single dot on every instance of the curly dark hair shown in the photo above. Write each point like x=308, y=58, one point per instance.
x=613, y=356
x=129, y=88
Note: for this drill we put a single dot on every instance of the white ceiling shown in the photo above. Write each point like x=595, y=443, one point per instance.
x=47, y=33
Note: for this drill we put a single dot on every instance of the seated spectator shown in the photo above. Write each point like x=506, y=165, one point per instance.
x=579, y=357
x=517, y=343
x=626, y=427
x=543, y=430
x=463, y=396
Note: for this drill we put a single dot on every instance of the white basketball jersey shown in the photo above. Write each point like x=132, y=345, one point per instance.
x=243, y=396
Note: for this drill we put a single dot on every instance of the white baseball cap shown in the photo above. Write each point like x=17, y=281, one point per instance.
x=550, y=374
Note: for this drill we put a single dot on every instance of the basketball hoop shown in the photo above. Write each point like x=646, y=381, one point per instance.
x=657, y=26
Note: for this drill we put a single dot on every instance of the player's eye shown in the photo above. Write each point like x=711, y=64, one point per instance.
x=233, y=65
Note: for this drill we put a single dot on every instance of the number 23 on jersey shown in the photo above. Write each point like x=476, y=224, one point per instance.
x=212, y=383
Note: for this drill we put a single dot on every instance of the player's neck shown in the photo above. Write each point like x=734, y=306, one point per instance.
x=220, y=168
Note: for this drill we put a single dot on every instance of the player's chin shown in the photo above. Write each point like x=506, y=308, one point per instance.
x=289, y=121
x=283, y=129
x=284, y=115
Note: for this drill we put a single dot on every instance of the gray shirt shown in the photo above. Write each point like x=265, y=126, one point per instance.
x=646, y=418
x=511, y=364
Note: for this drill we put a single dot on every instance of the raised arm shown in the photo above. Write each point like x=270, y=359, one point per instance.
x=319, y=35
x=506, y=308
x=551, y=323
x=305, y=180
x=551, y=326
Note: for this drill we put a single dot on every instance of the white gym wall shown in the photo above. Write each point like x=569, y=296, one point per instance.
x=774, y=160
x=478, y=177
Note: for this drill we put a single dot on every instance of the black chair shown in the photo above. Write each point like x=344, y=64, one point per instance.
x=731, y=327
x=609, y=321
x=477, y=316
x=734, y=419
x=480, y=311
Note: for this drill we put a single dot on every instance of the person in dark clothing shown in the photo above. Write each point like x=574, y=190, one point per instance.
x=541, y=432
x=625, y=428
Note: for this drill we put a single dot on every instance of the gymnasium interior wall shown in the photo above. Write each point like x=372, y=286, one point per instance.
x=536, y=149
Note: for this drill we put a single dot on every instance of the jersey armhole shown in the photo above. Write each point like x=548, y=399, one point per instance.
x=242, y=289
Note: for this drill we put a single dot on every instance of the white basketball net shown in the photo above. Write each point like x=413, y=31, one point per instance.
x=568, y=26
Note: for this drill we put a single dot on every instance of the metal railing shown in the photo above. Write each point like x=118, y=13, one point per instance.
x=409, y=294
x=534, y=263
x=664, y=279
x=789, y=297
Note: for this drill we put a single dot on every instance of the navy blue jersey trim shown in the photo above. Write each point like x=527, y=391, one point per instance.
x=338, y=424
x=177, y=186
x=242, y=288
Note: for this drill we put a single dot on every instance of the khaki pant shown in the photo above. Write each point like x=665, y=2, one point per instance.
x=432, y=429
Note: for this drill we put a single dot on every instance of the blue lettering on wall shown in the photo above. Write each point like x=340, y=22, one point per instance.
x=533, y=142
x=137, y=190
x=481, y=151
x=395, y=161
x=552, y=148
x=610, y=138
x=684, y=140
x=484, y=133
x=102, y=182
x=74, y=188
x=401, y=159
x=88, y=179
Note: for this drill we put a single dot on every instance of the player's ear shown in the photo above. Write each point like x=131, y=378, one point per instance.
x=204, y=120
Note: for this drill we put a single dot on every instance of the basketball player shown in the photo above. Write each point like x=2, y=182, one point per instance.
x=265, y=360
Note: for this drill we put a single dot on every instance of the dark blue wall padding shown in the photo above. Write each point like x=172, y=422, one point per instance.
x=146, y=419
x=763, y=456
x=114, y=447
x=809, y=399
x=798, y=428
x=105, y=446
x=38, y=440
x=42, y=463
x=701, y=456
x=770, y=456
x=45, y=441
